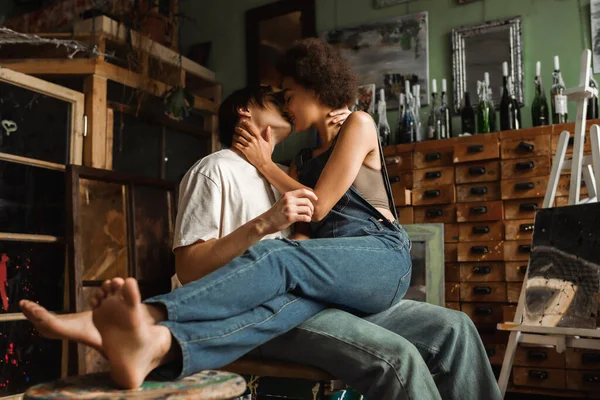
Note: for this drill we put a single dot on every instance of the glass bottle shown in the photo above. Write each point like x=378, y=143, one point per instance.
x=540, y=114
x=383, y=127
x=560, y=113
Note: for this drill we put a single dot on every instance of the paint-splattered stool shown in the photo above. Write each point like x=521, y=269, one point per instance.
x=206, y=385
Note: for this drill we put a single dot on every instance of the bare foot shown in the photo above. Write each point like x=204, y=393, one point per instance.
x=132, y=342
x=109, y=286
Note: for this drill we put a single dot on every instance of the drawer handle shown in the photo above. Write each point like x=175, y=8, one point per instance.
x=482, y=270
x=393, y=160
x=476, y=148
x=480, y=190
x=590, y=358
x=525, y=248
x=483, y=311
x=482, y=290
x=435, y=212
x=394, y=179
x=540, y=375
x=479, y=210
x=591, y=378
x=433, y=156
x=528, y=207
x=479, y=250
x=491, y=352
x=523, y=269
x=524, y=186
x=526, y=227
x=537, y=355
x=433, y=174
x=525, y=147
x=481, y=230
x=524, y=166
x=432, y=193
x=474, y=171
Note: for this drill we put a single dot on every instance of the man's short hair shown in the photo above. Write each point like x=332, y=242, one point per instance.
x=242, y=98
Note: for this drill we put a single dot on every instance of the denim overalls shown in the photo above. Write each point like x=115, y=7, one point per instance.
x=359, y=261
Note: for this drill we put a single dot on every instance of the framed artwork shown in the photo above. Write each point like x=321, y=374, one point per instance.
x=366, y=99
x=387, y=3
x=427, y=254
x=388, y=53
x=270, y=31
x=595, y=27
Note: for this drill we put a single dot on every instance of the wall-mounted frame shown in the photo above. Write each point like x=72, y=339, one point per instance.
x=427, y=254
x=120, y=225
x=270, y=30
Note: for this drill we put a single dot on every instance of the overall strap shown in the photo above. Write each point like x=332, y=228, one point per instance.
x=386, y=180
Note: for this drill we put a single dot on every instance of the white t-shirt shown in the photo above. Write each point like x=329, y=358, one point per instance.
x=220, y=193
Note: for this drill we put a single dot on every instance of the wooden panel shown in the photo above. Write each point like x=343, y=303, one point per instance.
x=583, y=380
x=536, y=377
x=518, y=229
x=399, y=162
x=508, y=313
x=483, y=313
x=452, y=291
x=432, y=177
x=515, y=271
x=495, y=353
x=94, y=151
x=389, y=151
x=522, y=208
x=564, y=183
x=450, y=252
x=482, y=211
x=443, y=194
x=485, y=171
x=491, y=292
x=587, y=145
x=513, y=291
x=402, y=196
x=517, y=250
x=476, y=148
x=526, y=167
x=484, y=191
x=401, y=179
x=435, y=214
x=582, y=359
x=480, y=231
x=482, y=272
x=452, y=272
x=481, y=251
x=405, y=215
x=453, y=305
x=545, y=357
x=526, y=147
x=431, y=154
x=450, y=233
x=524, y=188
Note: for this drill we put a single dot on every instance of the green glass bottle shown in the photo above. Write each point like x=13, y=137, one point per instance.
x=540, y=114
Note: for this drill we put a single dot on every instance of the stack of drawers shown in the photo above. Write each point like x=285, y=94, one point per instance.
x=486, y=189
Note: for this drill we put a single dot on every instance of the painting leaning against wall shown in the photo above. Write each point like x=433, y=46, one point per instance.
x=595, y=27
x=388, y=52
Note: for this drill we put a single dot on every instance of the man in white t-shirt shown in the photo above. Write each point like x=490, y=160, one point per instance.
x=412, y=350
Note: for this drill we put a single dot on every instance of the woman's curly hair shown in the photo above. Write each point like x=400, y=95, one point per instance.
x=319, y=66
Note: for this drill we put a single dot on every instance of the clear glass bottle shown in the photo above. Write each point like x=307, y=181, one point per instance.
x=445, y=113
x=435, y=120
x=409, y=129
x=592, y=108
x=383, y=127
x=560, y=113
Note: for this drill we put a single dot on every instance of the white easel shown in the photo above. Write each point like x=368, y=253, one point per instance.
x=561, y=338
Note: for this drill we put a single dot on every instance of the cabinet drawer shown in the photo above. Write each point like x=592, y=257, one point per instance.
x=517, y=250
x=582, y=359
x=522, y=208
x=515, y=271
x=481, y=211
x=432, y=177
x=513, y=291
x=435, y=214
x=538, y=377
x=587, y=144
x=433, y=158
x=495, y=353
x=482, y=272
x=484, y=191
x=483, y=313
x=526, y=147
x=583, y=380
x=402, y=196
x=452, y=272
x=518, y=229
x=452, y=291
x=524, y=188
x=481, y=251
x=399, y=162
x=443, y=194
x=453, y=305
x=545, y=357
x=476, y=148
x=401, y=180
x=526, y=167
x=508, y=313
x=450, y=233
x=564, y=185
x=405, y=215
x=479, y=231
x=488, y=171
x=491, y=292
x=450, y=252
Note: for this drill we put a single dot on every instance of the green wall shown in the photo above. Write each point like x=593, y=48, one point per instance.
x=550, y=27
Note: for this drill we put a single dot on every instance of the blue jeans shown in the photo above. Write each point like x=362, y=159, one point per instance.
x=278, y=284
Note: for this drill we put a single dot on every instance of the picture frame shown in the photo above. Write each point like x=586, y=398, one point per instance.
x=388, y=3
x=365, y=100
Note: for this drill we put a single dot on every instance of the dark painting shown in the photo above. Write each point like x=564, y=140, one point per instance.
x=34, y=125
x=32, y=200
x=563, y=281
